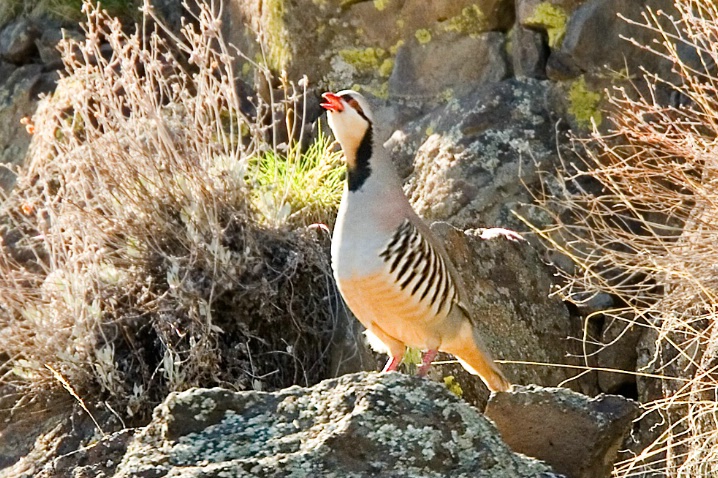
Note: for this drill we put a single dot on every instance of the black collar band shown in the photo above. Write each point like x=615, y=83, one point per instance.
x=361, y=169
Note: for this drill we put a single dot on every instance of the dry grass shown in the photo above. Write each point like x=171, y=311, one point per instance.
x=638, y=214
x=133, y=261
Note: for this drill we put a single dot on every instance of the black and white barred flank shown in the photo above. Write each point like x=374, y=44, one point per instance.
x=413, y=260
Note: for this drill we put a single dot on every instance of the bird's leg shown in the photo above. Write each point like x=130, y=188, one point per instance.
x=392, y=364
x=426, y=362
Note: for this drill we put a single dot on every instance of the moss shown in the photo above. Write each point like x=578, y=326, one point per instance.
x=453, y=386
x=246, y=69
x=381, y=4
x=551, y=18
x=381, y=91
x=471, y=21
x=364, y=59
x=583, y=104
x=423, y=36
x=277, y=42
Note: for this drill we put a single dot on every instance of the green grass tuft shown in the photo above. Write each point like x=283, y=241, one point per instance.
x=299, y=187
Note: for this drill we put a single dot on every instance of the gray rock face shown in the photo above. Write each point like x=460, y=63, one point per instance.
x=361, y=425
x=19, y=90
x=473, y=154
x=17, y=41
x=529, y=53
x=420, y=69
x=98, y=460
x=579, y=436
x=509, y=293
x=593, y=37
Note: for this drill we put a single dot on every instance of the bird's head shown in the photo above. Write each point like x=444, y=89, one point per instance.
x=350, y=117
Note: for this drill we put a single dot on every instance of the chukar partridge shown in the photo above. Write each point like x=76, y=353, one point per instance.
x=393, y=273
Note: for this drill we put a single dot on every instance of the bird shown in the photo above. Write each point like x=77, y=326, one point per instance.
x=391, y=270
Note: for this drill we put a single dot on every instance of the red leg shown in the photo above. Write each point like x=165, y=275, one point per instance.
x=426, y=362
x=391, y=364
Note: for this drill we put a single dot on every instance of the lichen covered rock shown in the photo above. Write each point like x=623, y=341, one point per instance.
x=361, y=425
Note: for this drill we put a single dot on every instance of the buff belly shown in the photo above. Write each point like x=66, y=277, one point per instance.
x=385, y=309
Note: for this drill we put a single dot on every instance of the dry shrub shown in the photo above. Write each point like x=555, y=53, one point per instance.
x=133, y=261
x=639, y=217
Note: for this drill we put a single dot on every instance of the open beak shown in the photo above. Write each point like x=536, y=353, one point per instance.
x=332, y=103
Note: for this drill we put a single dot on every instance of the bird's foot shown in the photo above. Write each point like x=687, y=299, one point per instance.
x=426, y=362
x=391, y=364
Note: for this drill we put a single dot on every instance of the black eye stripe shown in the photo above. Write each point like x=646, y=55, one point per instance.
x=354, y=104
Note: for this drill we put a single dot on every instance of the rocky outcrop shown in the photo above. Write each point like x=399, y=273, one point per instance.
x=476, y=96
x=361, y=425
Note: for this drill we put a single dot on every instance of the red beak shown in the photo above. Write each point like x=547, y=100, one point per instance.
x=332, y=102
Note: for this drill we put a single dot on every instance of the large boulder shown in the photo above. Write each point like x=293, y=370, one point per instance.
x=361, y=425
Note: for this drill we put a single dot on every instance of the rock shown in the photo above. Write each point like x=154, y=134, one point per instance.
x=549, y=17
x=420, y=71
x=18, y=432
x=619, y=352
x=361, y=425
x=593, y=40
x=509, y=294
x=17, y=41
x=45, y=439
x=471, y=156
x=535, y=13
x=47, y=45
x=97, y=460
x=19, y=91
x=577, y=435
x=529, y=53
x=341, y=44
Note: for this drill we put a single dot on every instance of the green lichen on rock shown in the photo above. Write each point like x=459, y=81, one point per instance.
x=276, y=36
x=453, y=386
x=553, y=19
x=364, y=59
x=381, y=91
x=583, y=104
x=381, y=4
x=423, y=36
x=470, y=21
x=386, y=67
x=447, y=95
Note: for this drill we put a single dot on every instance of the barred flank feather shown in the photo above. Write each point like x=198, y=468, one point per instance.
x=414, y=263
